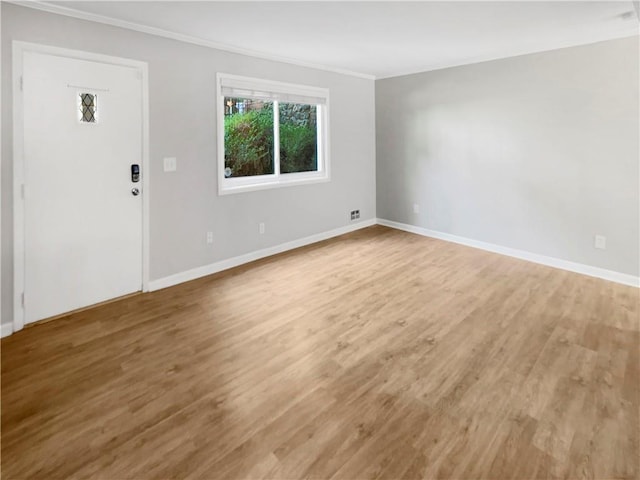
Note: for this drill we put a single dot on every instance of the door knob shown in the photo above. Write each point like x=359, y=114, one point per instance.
x=135, y=192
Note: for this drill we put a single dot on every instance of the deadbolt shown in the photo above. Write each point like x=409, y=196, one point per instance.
x=135, y=192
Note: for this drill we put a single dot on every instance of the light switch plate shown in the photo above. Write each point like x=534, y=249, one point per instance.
x=170, y=164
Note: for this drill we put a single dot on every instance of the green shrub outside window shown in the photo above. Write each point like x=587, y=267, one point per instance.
x=250, y=132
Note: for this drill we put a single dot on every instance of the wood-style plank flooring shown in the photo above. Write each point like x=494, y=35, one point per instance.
x=379, y=354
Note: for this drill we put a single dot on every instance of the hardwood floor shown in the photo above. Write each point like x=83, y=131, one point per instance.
x=379, y=354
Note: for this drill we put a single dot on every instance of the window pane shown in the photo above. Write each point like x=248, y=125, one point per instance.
x=298, y=138
x=248, y=137
x=88, y=105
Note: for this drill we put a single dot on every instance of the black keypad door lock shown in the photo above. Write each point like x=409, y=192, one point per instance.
x=135, y=173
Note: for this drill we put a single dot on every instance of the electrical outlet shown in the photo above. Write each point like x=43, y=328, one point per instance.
x=355, y=214
x=416, y=208
x=209, y=237
x=261, y=228
x=600, y=242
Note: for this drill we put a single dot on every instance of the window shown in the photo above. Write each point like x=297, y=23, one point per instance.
x=87, y=107
x=270, y=134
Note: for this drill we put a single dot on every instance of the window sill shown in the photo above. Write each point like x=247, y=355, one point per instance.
x=281, y=182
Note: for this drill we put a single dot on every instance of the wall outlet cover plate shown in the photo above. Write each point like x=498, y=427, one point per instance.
x=170, y=164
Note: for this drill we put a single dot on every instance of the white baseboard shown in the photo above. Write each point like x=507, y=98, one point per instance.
x=252, y=256
x=6, y=329
x=597, y=272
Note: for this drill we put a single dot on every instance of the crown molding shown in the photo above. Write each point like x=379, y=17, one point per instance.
x=72, y=12
x=520, y=53
x=159, y=32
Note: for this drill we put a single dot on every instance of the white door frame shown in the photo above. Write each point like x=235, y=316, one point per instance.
x=19, y=49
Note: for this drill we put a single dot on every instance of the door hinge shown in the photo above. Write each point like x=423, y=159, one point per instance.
x=21, y=83
x=22, y=191
x=22, y=299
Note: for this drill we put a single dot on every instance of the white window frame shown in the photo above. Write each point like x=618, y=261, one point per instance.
x=277, y=179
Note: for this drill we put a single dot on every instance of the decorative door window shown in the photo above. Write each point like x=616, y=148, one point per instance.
x=88, y=107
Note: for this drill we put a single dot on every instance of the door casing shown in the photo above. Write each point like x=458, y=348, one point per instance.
x=18, y=50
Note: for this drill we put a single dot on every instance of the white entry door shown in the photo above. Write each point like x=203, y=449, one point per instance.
x=82, y=214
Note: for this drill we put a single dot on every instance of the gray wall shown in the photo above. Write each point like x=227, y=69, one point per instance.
x=185, y=204
x=538, y=152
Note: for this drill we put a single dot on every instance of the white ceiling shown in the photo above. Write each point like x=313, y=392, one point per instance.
x=380, y=39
